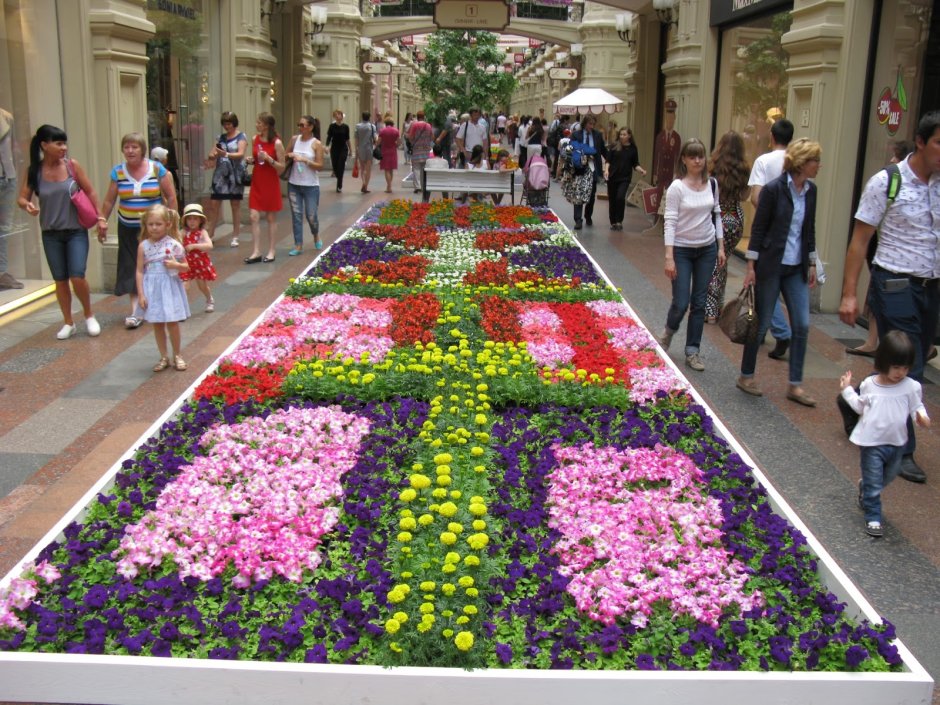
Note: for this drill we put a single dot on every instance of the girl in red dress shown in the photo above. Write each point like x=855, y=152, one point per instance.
x=197, y=244
x=267, y=154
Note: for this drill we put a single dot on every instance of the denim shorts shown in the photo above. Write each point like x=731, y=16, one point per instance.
x=66, y=252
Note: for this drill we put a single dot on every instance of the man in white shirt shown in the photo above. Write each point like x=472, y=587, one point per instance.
x=905, y=273
x=473, y=132
x=768, y=167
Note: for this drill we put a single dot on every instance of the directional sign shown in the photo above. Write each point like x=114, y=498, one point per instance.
x=562, y=74
x=490, y=15
x=377, y=67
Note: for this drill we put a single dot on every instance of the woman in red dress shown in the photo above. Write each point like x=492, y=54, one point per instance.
x=389, y=139
x=267, y=155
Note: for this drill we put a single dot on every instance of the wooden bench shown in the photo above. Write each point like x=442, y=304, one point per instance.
x=469, y=181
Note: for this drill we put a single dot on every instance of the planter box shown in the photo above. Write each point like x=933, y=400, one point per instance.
x=130, y=680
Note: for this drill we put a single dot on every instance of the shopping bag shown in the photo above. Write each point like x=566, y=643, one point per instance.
x=355, y=172
x=651, y=199
x=738, y=318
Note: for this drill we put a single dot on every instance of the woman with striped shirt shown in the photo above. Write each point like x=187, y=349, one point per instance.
x=136, y=184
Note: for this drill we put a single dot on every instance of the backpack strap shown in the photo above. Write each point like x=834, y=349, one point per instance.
x=894, y=182
x=714, y=186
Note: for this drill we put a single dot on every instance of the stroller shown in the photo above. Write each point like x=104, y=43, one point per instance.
x=535, y=182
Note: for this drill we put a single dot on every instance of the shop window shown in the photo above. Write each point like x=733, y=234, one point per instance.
x=753, y=85
x=183, y=105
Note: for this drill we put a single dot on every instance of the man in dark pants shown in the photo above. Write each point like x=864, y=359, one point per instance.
x=593, y=138
x=905, y=272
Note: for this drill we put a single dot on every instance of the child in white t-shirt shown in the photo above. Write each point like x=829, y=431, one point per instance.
x=885, y=401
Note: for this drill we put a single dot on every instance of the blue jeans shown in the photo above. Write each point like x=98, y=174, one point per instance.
x=304, y=201
x=880, y=465
x=912, y=309
x=66, y=252
x=694, y=267
x=788, y=281
x=779, y=325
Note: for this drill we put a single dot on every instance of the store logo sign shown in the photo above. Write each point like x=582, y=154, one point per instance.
x=174, y=8
x=892, y=106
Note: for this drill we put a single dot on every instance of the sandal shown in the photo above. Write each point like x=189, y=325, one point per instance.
x=132, y=322
x=162, y=365
x=179, y=363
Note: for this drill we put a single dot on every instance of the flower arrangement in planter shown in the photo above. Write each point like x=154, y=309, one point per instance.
x=450, y=444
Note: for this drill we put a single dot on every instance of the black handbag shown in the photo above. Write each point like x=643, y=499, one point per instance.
x=377, y=153
x=738, y=318
x=244, y=176
x=288, y=168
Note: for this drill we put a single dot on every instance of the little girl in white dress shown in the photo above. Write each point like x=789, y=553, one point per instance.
x=160, y=259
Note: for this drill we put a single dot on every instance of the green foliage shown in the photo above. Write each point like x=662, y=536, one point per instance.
x=762, y=83
x=455, y=74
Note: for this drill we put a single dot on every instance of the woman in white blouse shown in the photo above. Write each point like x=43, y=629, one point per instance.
x=692, y=229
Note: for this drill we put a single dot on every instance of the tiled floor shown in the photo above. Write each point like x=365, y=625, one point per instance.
x=69, y=410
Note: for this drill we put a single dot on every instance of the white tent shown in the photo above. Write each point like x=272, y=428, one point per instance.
x=589, y=100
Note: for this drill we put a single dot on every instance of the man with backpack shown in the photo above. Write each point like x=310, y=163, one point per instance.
x=905, y=273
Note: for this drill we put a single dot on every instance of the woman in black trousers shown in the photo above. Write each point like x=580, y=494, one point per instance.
x=622, y=160
x=337, y=139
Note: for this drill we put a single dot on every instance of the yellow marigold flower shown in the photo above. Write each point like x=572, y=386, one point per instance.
x=404, y=536
x=447, y=613
x=478, y=525
x=476, y=451
x=406, y=513
x=478, y=541
x=466, y=581
x=471, y=592
x=471, y=561
x=456, y=494
x=443, y=459
x=480, y=419
x=449, y=539
x=428, y=585
x=395, y=595
x=479, y=468
x=425, y=627
x=448, y=589
x=394, y=646
x=426, y=607
x=443, y=470
x=425, y=519
x=448, y=633
x=455, y=527
x=477, y=509
x=368, y=378
x=419, y=481
x=470, y=609
x=438, y=493
x=407, y=495
x=462, y=619
x=407, y=524
x=482, y=388
x=406, y=574
x=444, y=480
x=418, y=467
x=452, y=557
x=448, y=509
x=401, y=617
x=464, y=641
x=392, y=626
x=449, y=568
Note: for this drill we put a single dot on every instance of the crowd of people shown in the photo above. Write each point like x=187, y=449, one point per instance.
x=895, y=232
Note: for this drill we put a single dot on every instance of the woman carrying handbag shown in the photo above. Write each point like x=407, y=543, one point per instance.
x=781, y=258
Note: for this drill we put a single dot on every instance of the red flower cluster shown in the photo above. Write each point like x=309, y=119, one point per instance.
x=414, y=318
x=488, y=272
x=234, y=383
x=409, y=269
x=414, y=236
x=499, y=240
x=500, y=319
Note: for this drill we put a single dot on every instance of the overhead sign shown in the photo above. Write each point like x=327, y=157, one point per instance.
x=377, y=67
x=482, y=14
x=518, y=58
x=534, y=43
x=562, y=74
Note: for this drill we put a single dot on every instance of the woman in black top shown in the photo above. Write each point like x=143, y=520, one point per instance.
x=622, y=159
x=337, y=139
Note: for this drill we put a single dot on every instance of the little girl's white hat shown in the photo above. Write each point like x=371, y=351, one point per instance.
x=159, y=153
x=194, y=209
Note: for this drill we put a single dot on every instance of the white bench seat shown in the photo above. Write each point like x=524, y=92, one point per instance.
x=469, y=181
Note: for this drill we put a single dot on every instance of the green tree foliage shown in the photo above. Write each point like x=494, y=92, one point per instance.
x=455, y=74
x=762, y=82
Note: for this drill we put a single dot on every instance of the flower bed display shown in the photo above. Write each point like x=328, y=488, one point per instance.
x=450, y=444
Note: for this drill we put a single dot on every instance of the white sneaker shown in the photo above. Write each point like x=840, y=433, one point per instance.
x=234, y=242
x=92, y=326
x=66, y=332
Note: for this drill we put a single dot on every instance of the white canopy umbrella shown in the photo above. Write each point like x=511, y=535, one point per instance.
x=589, y=101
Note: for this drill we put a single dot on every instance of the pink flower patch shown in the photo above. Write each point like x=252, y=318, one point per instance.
x=260, y=500
x=636, y=530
